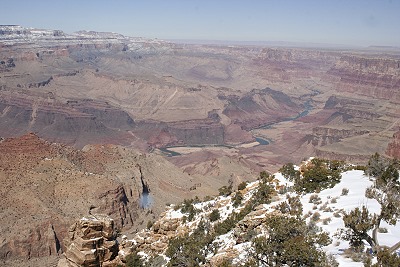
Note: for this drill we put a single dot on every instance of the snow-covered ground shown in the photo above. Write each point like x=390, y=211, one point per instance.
x=332, y=201
x=331, y=205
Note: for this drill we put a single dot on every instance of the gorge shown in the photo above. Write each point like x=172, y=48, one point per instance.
x=104, y=123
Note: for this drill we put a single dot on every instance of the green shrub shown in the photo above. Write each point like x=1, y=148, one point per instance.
x=289, y=172
x=326, y=221
x=337, y=214
x=214, y=215
x=191, y=250
x=382, y=230
x=292, y=206
x=133, y=260
x=289, y=243
x=188, y=208
x=319, y=174
x=315, y=217
x=226, y=225
x=265, y=190
x=237, y=199
x=225, y=263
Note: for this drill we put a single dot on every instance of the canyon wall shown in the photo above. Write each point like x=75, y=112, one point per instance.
x=46, y=186
x=372, y=77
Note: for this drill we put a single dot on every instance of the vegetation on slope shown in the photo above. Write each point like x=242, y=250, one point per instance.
x=281, y=234
x=359, y=222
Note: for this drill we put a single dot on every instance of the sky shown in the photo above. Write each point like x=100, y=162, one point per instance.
x=348, y=22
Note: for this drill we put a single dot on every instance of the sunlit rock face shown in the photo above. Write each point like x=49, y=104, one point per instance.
x=92, y=242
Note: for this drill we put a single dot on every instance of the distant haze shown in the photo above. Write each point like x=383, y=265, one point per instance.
x=355, y=23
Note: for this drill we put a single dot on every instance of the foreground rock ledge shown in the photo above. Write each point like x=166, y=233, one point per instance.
x=92, y=243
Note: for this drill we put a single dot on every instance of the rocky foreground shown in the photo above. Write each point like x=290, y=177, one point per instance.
x=46, y=186
x=228, y=230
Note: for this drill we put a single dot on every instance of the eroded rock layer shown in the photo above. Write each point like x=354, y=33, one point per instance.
x=46, y=185
x=91, y=87
x=92, y=243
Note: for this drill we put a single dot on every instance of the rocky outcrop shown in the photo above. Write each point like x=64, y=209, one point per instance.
x=110, y=116
x=46, y=185
x=6, y=64
x=198, y=132
x=393, y=149
x=35, y=240
x=92, y=243
x=352, y=108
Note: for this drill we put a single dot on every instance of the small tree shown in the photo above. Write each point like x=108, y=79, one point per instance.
x=214, y=215
x=385, y=190
x=376, y=165
x=358, y=223
x=133, y=260
x=242, y=185
x=226, y=190
x=237, y=199
x=292, y=206
x=289, y=172
x=289, y=243
x=384, y=258
x=318, y=175
x=264, y=191
x=188, y=207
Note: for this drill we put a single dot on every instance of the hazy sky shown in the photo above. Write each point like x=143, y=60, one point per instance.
x=354, y=22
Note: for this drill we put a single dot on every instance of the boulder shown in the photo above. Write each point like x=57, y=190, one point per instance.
x=92, y=243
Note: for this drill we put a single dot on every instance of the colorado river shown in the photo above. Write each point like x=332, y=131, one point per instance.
x=260, y=139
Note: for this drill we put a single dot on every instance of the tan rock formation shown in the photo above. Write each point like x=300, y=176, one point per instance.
x=92, y=243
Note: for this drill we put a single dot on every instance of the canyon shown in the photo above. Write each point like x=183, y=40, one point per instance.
x=90, y=119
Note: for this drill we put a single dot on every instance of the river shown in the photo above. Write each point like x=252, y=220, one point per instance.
x=260, y=139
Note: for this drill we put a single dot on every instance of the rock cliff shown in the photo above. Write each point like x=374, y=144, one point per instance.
x=77, y=122
x=91, y=243
x=393, y=149
x=372, y=77
x=259, y=108
x=45, y=186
